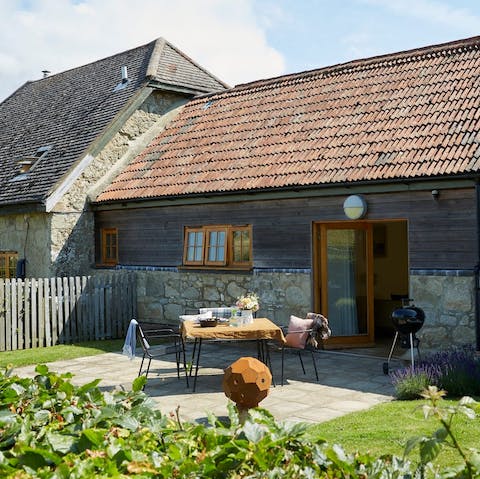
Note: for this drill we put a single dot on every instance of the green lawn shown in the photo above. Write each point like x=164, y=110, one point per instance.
x=385, y=428
x=54, y=353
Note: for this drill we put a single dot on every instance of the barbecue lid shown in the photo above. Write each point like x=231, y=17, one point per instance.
x=408, y=319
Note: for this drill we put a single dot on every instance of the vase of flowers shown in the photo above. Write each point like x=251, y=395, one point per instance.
x=247, y=305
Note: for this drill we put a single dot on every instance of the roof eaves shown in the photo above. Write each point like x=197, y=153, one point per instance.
x=325, y=189
x=34, y=206
x=159, y=85
x=294, y=191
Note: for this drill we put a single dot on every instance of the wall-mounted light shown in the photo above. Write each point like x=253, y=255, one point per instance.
x=435, y=194
x=355, y=207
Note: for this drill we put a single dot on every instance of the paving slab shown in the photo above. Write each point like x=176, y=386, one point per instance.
x=347, y=383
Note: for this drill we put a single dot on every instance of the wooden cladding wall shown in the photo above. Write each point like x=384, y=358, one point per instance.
x=48, y=311
x=442, y=232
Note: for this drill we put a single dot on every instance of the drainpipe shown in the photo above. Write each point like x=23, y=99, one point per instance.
x=477, y=273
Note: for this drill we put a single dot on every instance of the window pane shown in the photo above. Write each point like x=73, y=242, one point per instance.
x=194, y=246
x=111, y=246
x=241, y=246
x=245, y=246
x=216, y=246
x=8, y=265
x=12, y=260
x=3, y=269
x=198, y=246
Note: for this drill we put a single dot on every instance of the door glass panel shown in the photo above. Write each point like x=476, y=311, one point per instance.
x=347, y=281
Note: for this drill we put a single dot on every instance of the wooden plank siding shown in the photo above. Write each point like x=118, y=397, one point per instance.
x=442, y=233
x=48, y=311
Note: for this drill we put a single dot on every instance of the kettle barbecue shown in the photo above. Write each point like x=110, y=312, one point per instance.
x=407, y=321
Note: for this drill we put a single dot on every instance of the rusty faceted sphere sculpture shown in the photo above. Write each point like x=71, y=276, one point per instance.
x=246, y=382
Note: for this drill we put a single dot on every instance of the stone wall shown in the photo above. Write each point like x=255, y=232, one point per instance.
x=448, y=300
x=449, y=304
x=164, y=295
x=72, y=222
x=28, y=236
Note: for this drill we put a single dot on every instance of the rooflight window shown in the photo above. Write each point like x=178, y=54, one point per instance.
x=27, y=163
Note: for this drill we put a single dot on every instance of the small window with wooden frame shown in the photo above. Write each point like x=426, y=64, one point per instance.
x=241, y=250
x=193, y=246
x=8, y=264
x=218, y=246
x=109, y=246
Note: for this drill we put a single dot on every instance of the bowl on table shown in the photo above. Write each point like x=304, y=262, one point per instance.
x=208, y=323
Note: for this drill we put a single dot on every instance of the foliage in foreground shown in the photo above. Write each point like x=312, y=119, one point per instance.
x=456, y=370
x=50, y=428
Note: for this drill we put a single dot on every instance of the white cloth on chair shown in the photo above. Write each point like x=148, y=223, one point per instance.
x=130, y=340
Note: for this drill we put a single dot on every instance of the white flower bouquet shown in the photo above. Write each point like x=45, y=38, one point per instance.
x=248, y=301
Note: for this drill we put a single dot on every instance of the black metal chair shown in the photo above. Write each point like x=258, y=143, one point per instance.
x=160, y=340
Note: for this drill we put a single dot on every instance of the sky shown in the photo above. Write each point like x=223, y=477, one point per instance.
x=236, y=40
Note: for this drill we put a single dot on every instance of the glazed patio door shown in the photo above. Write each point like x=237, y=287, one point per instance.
x=346, y=277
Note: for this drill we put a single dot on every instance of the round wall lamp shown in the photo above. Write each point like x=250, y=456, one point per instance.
x=355, y=207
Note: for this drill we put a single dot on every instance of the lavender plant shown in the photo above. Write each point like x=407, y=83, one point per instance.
x=456, y=370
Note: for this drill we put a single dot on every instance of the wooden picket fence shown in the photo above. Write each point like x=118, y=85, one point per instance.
x=48, y=311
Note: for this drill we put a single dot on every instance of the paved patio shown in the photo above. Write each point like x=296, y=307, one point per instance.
x=347, y=382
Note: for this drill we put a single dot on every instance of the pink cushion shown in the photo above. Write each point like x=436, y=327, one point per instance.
x=298, y=332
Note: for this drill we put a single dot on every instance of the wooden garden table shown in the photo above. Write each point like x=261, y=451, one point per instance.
x=261, y=331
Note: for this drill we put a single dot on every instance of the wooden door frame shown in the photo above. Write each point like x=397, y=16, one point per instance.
x=320, y=279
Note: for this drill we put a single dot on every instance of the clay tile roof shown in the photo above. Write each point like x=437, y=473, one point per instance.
x=413, y=114
x=68, y=111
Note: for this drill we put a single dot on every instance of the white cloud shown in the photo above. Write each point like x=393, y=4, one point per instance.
x=223, y=36
x=433, y=11
x=358, y=45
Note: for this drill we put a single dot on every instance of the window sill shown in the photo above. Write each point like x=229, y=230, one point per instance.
x=214, y=268
x=105, y=266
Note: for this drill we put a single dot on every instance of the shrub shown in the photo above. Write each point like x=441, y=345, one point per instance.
x=51, y=429
x=410, y=383
x=456, y=370
x=459, y=371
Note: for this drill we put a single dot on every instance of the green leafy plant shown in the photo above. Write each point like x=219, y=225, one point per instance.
x=50, y=428
x=431, y=446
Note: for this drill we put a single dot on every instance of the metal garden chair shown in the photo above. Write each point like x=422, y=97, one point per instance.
x=305, y=335
x=160, y=341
